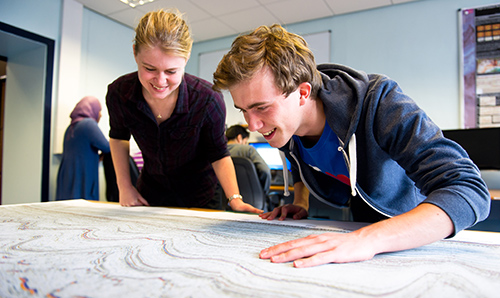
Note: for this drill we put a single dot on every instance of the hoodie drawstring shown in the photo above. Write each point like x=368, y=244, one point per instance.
x=353, y=164
x=286, y=193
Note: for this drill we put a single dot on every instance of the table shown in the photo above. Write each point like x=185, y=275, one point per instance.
x=495, y=194
x=84, y=249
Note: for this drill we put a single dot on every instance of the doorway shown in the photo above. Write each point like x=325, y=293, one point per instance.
x=3, y=78
x=27, y=115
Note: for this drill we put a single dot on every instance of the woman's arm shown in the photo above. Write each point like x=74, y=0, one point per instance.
x=129, y=196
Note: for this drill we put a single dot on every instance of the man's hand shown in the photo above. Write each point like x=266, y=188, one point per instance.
x=422, y=225
x=321, y=249
x=297, y=212
x=239, y=205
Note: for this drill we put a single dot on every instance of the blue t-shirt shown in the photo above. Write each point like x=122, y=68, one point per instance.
x=324, y=156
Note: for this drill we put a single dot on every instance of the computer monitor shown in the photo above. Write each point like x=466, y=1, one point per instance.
x=482, y=145
x=270, y=155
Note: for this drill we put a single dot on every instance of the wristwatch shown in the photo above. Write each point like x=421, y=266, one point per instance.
x=236, y=196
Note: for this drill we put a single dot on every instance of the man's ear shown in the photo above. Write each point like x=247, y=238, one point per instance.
x=305, y=92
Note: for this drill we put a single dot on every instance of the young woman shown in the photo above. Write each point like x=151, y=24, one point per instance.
x=177, y=121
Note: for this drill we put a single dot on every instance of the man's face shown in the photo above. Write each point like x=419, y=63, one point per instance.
x=266, y=109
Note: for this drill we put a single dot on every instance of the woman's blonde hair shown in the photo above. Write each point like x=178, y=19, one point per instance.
x=166, y=29
x=285, y=53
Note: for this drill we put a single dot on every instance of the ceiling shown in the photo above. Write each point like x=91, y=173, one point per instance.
x=211, y=19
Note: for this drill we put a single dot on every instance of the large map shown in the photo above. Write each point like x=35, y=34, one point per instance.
x=84, y=249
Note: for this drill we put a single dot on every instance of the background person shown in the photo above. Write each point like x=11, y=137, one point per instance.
x=78, y=175
x=177, y=121
x=353, y=139
x=237, y=143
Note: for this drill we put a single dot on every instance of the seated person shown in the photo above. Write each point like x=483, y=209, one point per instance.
x=237, y=143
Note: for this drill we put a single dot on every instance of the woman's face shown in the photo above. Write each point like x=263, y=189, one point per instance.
x=160, y=73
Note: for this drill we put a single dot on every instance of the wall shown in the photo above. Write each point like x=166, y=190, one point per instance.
x=24, y=106
x=415, y=43
x=105, y=54
x=23, y=123
x=42, y=17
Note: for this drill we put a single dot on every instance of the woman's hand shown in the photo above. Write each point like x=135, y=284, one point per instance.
x=131, y=198
x=239, y=205
x=297, y=212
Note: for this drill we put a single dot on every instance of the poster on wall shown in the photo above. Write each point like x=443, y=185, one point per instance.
x=480, y=66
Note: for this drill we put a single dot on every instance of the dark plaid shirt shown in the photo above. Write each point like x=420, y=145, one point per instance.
x=178, y=152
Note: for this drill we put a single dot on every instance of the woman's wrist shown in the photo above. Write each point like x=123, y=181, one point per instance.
x=235, y=197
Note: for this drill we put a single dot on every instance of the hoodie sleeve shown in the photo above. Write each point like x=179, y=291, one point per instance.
x=440, y=168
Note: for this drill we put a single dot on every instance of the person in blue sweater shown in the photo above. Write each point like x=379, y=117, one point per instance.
x=354, y=140
x=78, y=176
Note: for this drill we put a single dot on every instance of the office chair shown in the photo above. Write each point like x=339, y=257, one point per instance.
x=248, y=182
x=112, y=194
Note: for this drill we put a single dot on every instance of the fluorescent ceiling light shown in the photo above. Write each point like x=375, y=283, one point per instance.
x=134, y=3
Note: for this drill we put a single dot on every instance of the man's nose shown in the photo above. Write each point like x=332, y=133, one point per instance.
x=254, y=122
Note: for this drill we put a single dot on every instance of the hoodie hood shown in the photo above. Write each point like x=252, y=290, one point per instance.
x=346, y=89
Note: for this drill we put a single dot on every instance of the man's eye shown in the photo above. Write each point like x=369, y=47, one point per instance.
x=149, y=69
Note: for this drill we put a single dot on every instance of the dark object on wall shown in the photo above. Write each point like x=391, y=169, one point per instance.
x=482, y=145
x=112, y=194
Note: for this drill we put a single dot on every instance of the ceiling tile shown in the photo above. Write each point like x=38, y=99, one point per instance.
x=293, y=11
x=217, y=18
x=192, y=13
x=265, y=2
x=130, y=17
x=105, y=7
x=401, y=1
x=209, y=29
x=340, y=7
x=223, y=7
x=245, y=20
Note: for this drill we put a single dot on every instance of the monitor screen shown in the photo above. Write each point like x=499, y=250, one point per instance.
x=270, y=155
x=482, y=145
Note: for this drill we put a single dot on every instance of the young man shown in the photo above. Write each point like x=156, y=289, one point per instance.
x=354, y=139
